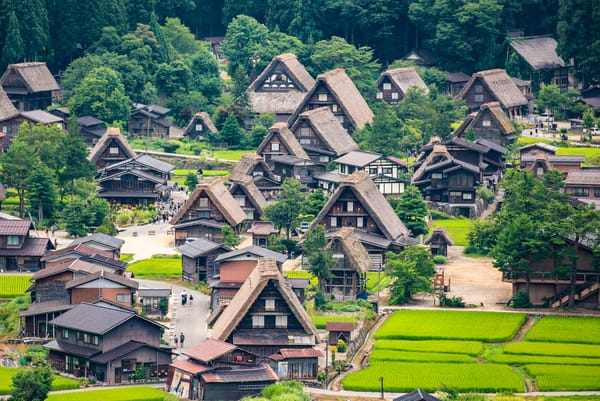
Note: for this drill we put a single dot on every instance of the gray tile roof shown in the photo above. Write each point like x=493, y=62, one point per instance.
x=92, y=318
x=15, y=227
x=253, y=250
x=40, y=116
x=198, y=247
x=358, y=158
x=100, y=238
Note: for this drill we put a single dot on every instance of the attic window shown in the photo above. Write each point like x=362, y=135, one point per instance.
x=387, y=86
x=478, y=98
x=113, y=150
x=12, y=240
x=258, y=321
x=478, y=89
x=270, y=304
x=395, y=95
x=203, y=202
x=305, y=131
x=379, y=95
x=275, y=147
x=334, y=107
x=322, y=97
x=486, y=122
x=199, y=127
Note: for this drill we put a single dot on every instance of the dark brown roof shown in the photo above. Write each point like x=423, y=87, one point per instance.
x=339, y=326
x=346, y=94
x=263, y=228
x=7, y=108
x=73, y=349
x=218, y=194
x=246, y=374
x=37, y=308
x=15, y=227
x=357, y=255
x=31, y=247
x=209, y=350
x=34, y=75
x=439, y=232
x=79, y=249
x=110, y=276
x=103, y=142
x=200, y=247
x=378, y=207
x=538, y=51
x=120, y=351
x=288, y=139
x=265, y=271
x=404, y=79
x=100, y=238
x=205, y=119
x=583, y=177
x=327, y=127
x=76, y=265
x=500, y=85
x=246, y=165
x=293, y=353
x=190, y=366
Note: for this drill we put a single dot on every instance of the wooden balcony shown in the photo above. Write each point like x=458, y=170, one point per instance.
x=549, y=278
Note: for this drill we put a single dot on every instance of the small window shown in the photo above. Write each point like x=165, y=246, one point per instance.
x=123, y=297
x=95, y=340
x=360, y=222
x=322, y=97
x=387, y=86
x=340, y=119
x=597, y=192
x=387, y=170
x=333, y=221
x=349, y=206
x=324, y=159
x=203, y=202
x=241, y=200
x=5, y=129
x=394, y=95
x=581, y=191
x=467, y=195
x=199, y=127
x=275, y=147
x=304, y=141
x=281, y=321
x=12, y=240
x=478, y=89
x=305, y=131
x=113, y=150
x=437, y=176
x=373, y=170
x=65, y=333
x=86, y=338
x=334, y=107
x=379, y=95
x=478, y=98
x=455, y=194
x=270, y=304
x=258, y=321
x=486, y=122
x=540, y=171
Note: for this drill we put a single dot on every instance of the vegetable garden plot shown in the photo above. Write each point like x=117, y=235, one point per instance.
x=13, y=285
x=565, y=377
x=450, y=325
x=387, y=355
x=472, y=348
x=553, y=349
x=405, y=377
x=565, y=329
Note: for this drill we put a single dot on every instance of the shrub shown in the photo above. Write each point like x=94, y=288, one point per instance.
x=438, y=215
x=319, y=300
x=439, y=259
x=453, y=302
x=341, y=346
x=520, y=300
x=486, y=194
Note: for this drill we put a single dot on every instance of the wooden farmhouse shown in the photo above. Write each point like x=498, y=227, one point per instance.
x=265, y=316
x=30, y=86
x=352, y=262
x=136, y=181
x=254, y=166
x=248, y=196
x=280, y=142
x=322, y=136
x=439, y=241
x=91, y=129
x=548, y=288
x=494, y=86
x=216, y=370
x=261, y=231
x=110, y=149
x=101, y=285
x=537, y=148
x=455, y=81
x=449, y=183
x=358, y=203
x=392, y=85
x=489, y=123
x=19, y=251
x=9, y=125
x=107, y=343
x=280, y=88
x=388, y=173
x=198, y=259
x=149, y=121
x=296, y=364
x=334, y=89
x=233, y=268
x=199, y=127
x=584, y=185
x=208, y=209
x=303, y=170
x=12, y=123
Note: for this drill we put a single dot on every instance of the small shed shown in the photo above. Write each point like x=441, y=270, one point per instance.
x=339, y=331
x=439, y=241
x=261, y=230
x=416, y=395
x=296, y=364
x=150, y=299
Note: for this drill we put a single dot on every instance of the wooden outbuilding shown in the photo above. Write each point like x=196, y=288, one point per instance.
x=439, y=241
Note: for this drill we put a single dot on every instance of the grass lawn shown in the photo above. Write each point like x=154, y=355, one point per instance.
x=157, y=266
x=301, y=274
x=372, y=282
x=59, y=382
x=589, y=153
x=231, y=154
x=140, y=393
x=528, y=140
x=12, y=285
x=456, y=228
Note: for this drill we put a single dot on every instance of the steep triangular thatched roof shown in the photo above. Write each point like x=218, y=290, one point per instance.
x=7, y=108
x=346, y=96
x=246, y=183
x=111, y=134
x=286, y=137
x=439, y=232
x=329, y=130
x=538, y=51
x=35, y=76
x=205, y=118
x=499, y=115
x=438, y=153
x=283, y=100
x=247, y=164
x=353, y=249
x=499, y=84
x=404, y=79
x=215, y=190
x=265, y=271
x=372, y=200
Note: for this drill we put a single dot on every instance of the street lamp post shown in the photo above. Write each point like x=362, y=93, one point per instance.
x=381, y=381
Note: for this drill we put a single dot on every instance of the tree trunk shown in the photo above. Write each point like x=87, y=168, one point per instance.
x=573, y=288
x=21, y=195
x=527, y=284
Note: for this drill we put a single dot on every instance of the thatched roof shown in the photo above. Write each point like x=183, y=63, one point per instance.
x=500, y=85
x=7, y=109
x=264, y=272
x=372, y=200
x=538, y=51
x=205, y=118
x=110, y=134
x=496, y=112
x=35, y=76
x=437, y=233
x=248, y=162
x=329, y=130
x=438, y=153
x=346, y=96
x=404, y=79
x=252, y=192
x=213, y=187
x=353, y=249
x=283, y=101
x=287, y=139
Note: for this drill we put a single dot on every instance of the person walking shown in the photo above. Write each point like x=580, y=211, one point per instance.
x=181, y=339
x=175, y=339
x=191, y=299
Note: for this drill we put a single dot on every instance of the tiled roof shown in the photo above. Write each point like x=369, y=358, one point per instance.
x=246, y=375
x=190, y=366
x=31, y=247
x=209, y=350
x=92, y=318
x=257, y=251
x=15, y=227
x=339, y=326
x=199, y=247
x=100, y=238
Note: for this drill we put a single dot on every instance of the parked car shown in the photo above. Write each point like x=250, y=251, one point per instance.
x=304, y=226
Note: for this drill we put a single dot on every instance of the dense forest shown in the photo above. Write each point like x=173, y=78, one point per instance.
x=463, y=35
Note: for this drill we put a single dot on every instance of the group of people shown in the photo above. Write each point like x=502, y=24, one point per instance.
x=180, y=340
x=184, y=298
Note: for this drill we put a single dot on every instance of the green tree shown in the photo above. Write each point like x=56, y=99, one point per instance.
x=412, y=269
x=41, y=190
x=191, y=180
x=383, y=135
x=205, y=74
x=185, y=105
x=107, y=227
x=101, y=94
x=314, y=202
x=74, y=162
x=320, y=260
x=231, y=133
x=163, y=50
x=108, y=42
x=549, y=99
x=173, y=78
x=284, y=213
x=434, y=76
x=181, y=42
x=14, y=48
x=76, y=216
x=412, y=209
x=15, y=172
x=244, y=35
x=230, y=238
x=32, y=385
x=34, y=27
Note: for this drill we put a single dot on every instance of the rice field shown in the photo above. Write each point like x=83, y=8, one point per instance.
x=520, y=360
x=386, y=355
x=450, y=325
x=456, y=228
x=59, y=382
x=138, y=393
x=13, y=285
x=553, y=349
x=157, y=266
x=565, y=329
x=320, y=321
x=565, y=377
x=472, y=348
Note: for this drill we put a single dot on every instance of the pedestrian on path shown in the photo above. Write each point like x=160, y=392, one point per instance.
x=175, y=340
x=181, y=339
x=191, y=299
